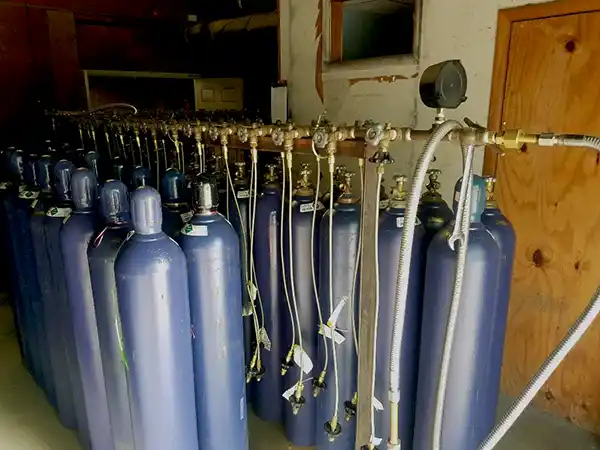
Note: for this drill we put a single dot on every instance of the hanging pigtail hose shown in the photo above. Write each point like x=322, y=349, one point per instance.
x=361, y=169
x=318, y=383
x=287, y=362
x=403, y=271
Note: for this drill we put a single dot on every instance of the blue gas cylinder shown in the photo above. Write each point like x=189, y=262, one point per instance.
x=91, y=159
x=299, y=423
x=468, y=414
x=176, y=210
x=266, y=395
x=102, y=254
x=504, y=234
x=344, y=238
x=152, y=285
x=239, y=204
x=39, y=206
x=75, y=237
x=433, y=211
x=140, y=176
x=391, y=227
x=211, y=247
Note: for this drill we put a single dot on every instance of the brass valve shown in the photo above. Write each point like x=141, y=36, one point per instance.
x=240, y=171
x=434, y=185
x=514, y=139
x=346, y=185
x=398, y=191
x=271, y=175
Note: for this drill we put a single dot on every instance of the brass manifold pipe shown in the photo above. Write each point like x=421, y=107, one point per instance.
x=371, y=133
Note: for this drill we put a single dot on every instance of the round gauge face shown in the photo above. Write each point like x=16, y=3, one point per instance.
x=444, y=85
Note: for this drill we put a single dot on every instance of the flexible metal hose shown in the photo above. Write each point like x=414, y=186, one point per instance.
x=357, y=262
x=461, y=235
x=404, y=268
x=556, y=357
x=281, y=242
x=566, y=345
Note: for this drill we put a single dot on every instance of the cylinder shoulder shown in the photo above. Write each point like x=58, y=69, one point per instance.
x=149, y=255
x=480, y=240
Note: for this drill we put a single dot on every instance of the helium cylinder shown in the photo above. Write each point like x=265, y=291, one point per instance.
x=468, y=414
x=42, y=268
x=433, y=211
x=344, y=238
x=75, y=237
x=300, y=428
x=504, y=234
x=102, y=254
x=211, y=247
x=391, y=227
x=152, y=285
x=238, y=216
x=64, y=355
x=176, y=210
x=140, y=176
x=266, y=395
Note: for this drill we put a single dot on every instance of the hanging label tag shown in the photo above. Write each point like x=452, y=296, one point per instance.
x=377, y=404
x=34, y=203
x=376, y=441
x=289, y=392
x=383, y=204
x=303, y=361
x=310, y=207
x=195, y=230
x=29, y=195
x=263, y=338
x=186, y=216
x=4, y=185
x=336, y=313
x=66, y=219
x=243, y=194
x=252, y=291
x=332, y=334
x=247, y=309
x=58, y=212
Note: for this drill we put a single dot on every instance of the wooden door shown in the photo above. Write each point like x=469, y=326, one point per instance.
x=547, y=77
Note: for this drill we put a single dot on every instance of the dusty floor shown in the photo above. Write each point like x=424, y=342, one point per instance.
x=27, y=422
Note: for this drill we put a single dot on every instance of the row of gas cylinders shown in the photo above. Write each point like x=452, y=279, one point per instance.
x=144, y=342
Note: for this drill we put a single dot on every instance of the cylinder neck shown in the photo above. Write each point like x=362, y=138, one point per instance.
x=490, y=193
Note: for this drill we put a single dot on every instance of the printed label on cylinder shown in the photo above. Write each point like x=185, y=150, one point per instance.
x=309, y=207
x=186, y=216
x=243, y=194
x=58, y=212
x=195, y=230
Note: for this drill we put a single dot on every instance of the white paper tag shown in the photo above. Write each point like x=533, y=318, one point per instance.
x=252, y=291
x=263, y=338
x=29, y=195
x=4, y=185
x=243, y=194
x=247, y=310
x=376, y=441
x=289, y=392
x=303, y=361
x=336, y=312
x=310, y=207
x=187, y=216
x=399, y=222
x=332, y=334
x=383, y=204
x=58, y=212
x=377, y=404
x=195, y=230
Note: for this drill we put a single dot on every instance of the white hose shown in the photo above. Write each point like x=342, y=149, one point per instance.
x=461, y=235
x=334, y=419
x=312, y=254
x=404, y=268
x=281, y=246
x=292, y=286
x=376, y=318
x=357, y=264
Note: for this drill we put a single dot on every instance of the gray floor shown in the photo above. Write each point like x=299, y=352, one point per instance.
x=27, y=422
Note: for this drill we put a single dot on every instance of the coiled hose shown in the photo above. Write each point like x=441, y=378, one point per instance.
x=404, y=268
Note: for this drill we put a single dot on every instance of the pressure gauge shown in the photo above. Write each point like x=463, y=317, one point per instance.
x=444, y=85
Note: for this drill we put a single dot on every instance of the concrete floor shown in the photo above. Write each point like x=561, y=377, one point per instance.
x=27, y=422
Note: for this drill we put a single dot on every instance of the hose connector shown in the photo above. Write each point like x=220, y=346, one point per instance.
x=286, y=365
x=319, y=384
x=297, y=400
x=350, y=407
x=333, y=429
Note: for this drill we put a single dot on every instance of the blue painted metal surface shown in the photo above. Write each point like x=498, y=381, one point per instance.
x=75, y=237
x=391, y=226
x=266, y=395
x=504, y=234
x=346, y=227
x=302, y=429
x=176, y=209
x=152, y=286
x=91, y=159
x=211, y=247
x=64, y=355
x=468, y=413
x=102, y=254
x=433, y=211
